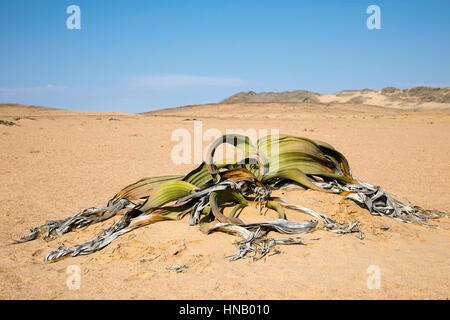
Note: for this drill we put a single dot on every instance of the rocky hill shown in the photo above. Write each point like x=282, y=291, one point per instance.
x=418, y=98
x=287, y=96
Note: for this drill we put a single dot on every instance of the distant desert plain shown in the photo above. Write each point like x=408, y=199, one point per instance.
x=56, y=162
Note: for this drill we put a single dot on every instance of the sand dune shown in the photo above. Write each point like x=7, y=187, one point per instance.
x=56, y=162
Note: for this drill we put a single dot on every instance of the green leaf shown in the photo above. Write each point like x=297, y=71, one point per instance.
x=167, y=192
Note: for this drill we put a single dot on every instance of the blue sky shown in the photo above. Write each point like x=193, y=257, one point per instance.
x=136, y=56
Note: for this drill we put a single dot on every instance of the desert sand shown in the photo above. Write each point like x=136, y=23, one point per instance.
x=54, y=163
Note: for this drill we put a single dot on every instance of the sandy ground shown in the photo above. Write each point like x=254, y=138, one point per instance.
x=55, y=163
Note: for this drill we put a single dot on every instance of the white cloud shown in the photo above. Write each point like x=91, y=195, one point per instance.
x=182, y=80
x=36, y=89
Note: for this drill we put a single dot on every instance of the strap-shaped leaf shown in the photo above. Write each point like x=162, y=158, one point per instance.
x=292, y=174
x=200, y=176
x=167, y=192
x=335, y=155
x=242, y=143
x=218, y=198
x=142, y=188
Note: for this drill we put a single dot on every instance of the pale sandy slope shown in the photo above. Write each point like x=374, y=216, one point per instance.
x=371, y=97
x=56, y=163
